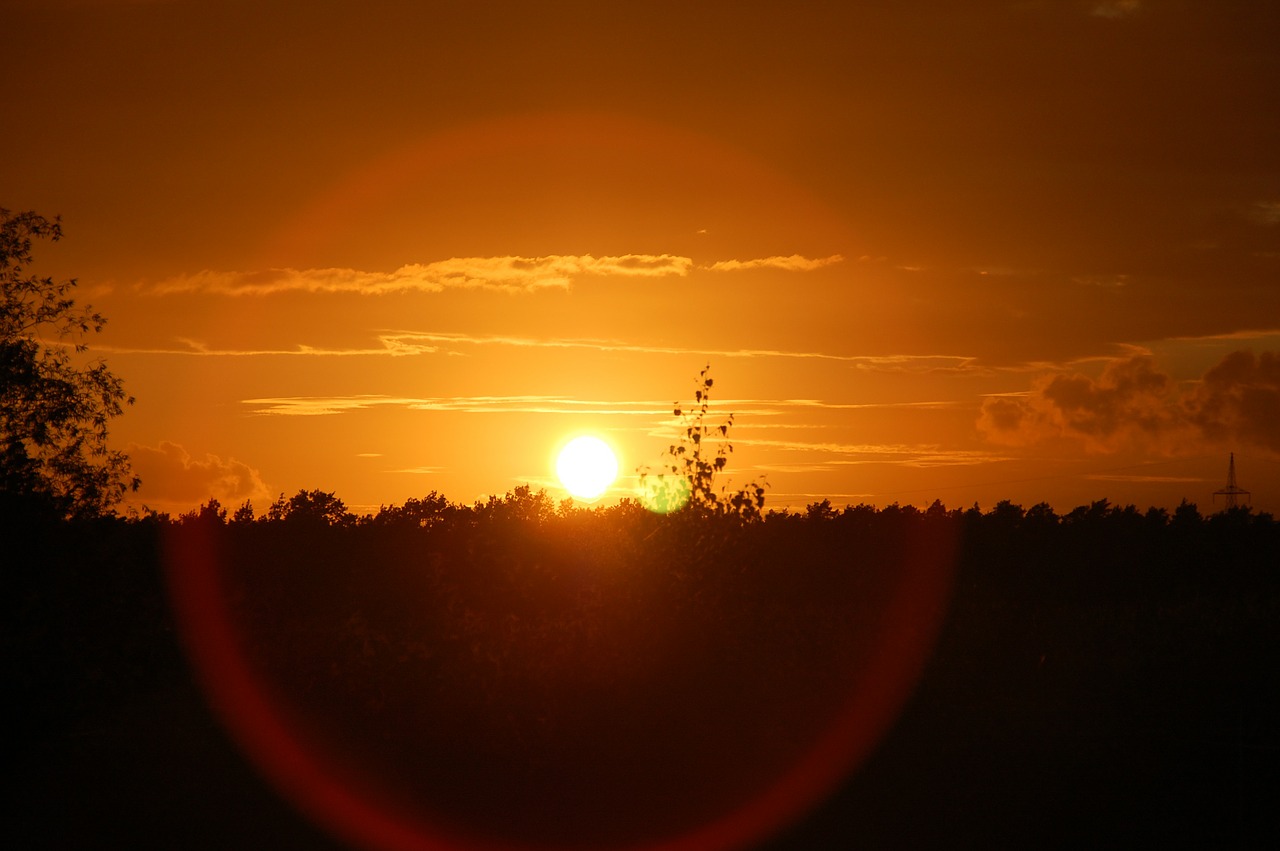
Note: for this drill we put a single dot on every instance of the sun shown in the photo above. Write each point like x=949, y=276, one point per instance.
x=586, y=467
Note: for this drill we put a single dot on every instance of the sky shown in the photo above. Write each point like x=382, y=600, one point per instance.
x=953, y=251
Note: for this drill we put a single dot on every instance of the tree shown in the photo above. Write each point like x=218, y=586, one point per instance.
x=688, y=475
x=425, y=513
x=243, y=514
x=820, y=511
x=522, y=505
x=54, y=404
x=311, y=508
x=211, y=513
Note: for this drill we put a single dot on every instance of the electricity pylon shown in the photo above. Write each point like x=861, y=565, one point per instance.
x=1231, y=493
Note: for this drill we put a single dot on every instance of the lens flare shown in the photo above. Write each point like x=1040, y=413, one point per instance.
x=664, y=494
x=672, y=762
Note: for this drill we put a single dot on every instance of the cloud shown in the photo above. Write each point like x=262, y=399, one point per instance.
x=1146, y=480
x=320, y=406
x=405, y=343
x=312, y=406
x=1256, y=335
x=171, y=475
x=506, y=274
x=1239, y=400
x=1133, y=403
x=602, y=346
x=1266, y=213
x=502, y=274
x=1131, y=400
x=794, y=263
x=392, y=345
x=1116, y=8
x=91, y=4
x=410, y=341
x=901, y=454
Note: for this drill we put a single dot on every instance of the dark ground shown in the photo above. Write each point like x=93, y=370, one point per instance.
x=1138, y=723
x=158, y=772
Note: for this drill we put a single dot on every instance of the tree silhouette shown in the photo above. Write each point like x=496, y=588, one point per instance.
x=211, y=512
x=425, y=513
x=688, y=475
x=523, y=505
x=311, y=508
x=54, y=408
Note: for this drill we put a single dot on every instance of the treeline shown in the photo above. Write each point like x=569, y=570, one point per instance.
x=1098, y=551
x=318, y=507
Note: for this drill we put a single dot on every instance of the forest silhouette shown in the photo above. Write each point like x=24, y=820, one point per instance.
x=526, y=670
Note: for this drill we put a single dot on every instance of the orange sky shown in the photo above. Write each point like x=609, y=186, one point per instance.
x=958, y=251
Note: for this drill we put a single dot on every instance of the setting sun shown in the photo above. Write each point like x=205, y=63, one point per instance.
x=586, y=467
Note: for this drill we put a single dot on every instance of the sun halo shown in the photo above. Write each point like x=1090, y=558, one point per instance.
x=586, y=466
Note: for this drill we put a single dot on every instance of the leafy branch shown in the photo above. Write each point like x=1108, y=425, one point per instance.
x=687, y=478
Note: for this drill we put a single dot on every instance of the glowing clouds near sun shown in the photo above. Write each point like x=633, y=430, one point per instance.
x=500, y=274
x=506, y=274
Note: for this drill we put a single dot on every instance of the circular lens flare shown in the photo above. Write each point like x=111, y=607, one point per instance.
x=664, y=494
x=733, y=784
x=586, y=467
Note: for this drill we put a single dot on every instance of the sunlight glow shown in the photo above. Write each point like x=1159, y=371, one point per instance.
x=586, y=467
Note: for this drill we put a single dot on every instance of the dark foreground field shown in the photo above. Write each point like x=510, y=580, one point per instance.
x=1102, y=679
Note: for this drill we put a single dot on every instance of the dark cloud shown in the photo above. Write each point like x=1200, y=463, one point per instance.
x=170, y=475
x=1134, y=403
x=1131, y=394
x=1239, y=399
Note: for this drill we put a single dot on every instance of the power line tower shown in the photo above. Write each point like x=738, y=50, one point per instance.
x=1231, y=493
